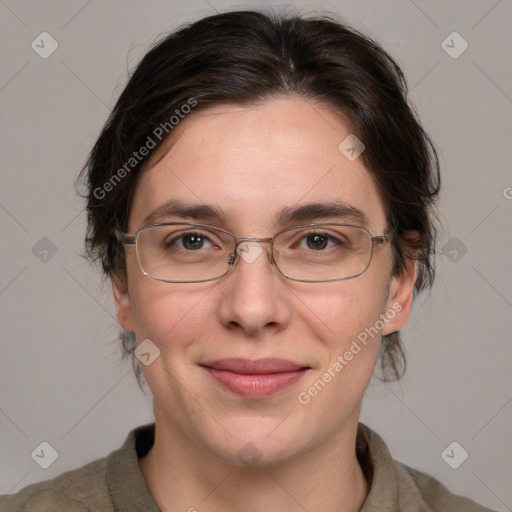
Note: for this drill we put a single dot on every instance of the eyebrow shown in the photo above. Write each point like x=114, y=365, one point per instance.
x=175, y=208
x=313, y=211
x=302, y=213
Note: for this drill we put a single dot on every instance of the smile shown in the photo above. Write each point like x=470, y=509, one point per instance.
x=255, y=379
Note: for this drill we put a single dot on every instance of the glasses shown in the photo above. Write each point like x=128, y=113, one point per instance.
x=187, y=252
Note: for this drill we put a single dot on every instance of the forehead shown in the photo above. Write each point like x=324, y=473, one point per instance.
x=253, y=162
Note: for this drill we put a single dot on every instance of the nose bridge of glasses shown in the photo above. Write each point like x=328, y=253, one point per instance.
x=251, y=239
x=250, y=256
x=240, y=241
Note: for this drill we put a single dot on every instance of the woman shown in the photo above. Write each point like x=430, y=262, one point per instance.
x=262, y=199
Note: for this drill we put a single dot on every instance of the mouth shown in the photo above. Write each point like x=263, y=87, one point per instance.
x=258, y=378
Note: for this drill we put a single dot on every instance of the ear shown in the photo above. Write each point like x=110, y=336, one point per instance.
x=400, y=298
x=122, y=304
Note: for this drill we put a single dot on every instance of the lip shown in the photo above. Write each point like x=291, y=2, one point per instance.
x=255, y=378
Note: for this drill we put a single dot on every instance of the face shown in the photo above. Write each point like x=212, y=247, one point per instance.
x=252, y=163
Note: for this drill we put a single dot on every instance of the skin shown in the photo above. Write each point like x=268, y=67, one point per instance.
x=252, y=162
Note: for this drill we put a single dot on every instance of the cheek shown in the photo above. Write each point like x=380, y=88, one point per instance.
x=174, y=321
x=339, y=312
x=168, y=314
x=347, y=333
x=334, y=391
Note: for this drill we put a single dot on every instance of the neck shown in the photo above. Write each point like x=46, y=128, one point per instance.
x=182, y=476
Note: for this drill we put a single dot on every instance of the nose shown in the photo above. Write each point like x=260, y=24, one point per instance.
x=254, y=296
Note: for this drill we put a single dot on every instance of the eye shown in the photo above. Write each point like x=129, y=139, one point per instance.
x=191, y=241
x=318, y=241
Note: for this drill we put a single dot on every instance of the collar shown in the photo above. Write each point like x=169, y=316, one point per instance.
x=130, y=493
x=124, y=477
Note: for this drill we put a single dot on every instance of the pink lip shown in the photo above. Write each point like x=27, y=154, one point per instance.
x=255, y=378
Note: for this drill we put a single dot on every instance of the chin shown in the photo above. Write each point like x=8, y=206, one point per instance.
x=258, y=454
x=259, y=444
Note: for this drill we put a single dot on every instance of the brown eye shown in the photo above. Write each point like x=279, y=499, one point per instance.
x=192, y=241
x=317, y=241
x=188, y=242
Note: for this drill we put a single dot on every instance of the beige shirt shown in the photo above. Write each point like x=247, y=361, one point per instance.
x=115, y=483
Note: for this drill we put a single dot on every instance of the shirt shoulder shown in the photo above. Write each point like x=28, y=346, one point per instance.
x=396, y=486
x=80, y=490
x=431, y=495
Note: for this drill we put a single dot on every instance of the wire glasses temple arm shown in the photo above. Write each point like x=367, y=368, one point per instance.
x=124, y=238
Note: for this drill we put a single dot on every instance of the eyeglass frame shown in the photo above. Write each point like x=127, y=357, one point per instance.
x=126, y=239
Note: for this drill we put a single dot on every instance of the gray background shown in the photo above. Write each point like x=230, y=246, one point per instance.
x=61, y=377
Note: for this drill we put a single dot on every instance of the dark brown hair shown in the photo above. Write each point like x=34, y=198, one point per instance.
x=247, y=57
